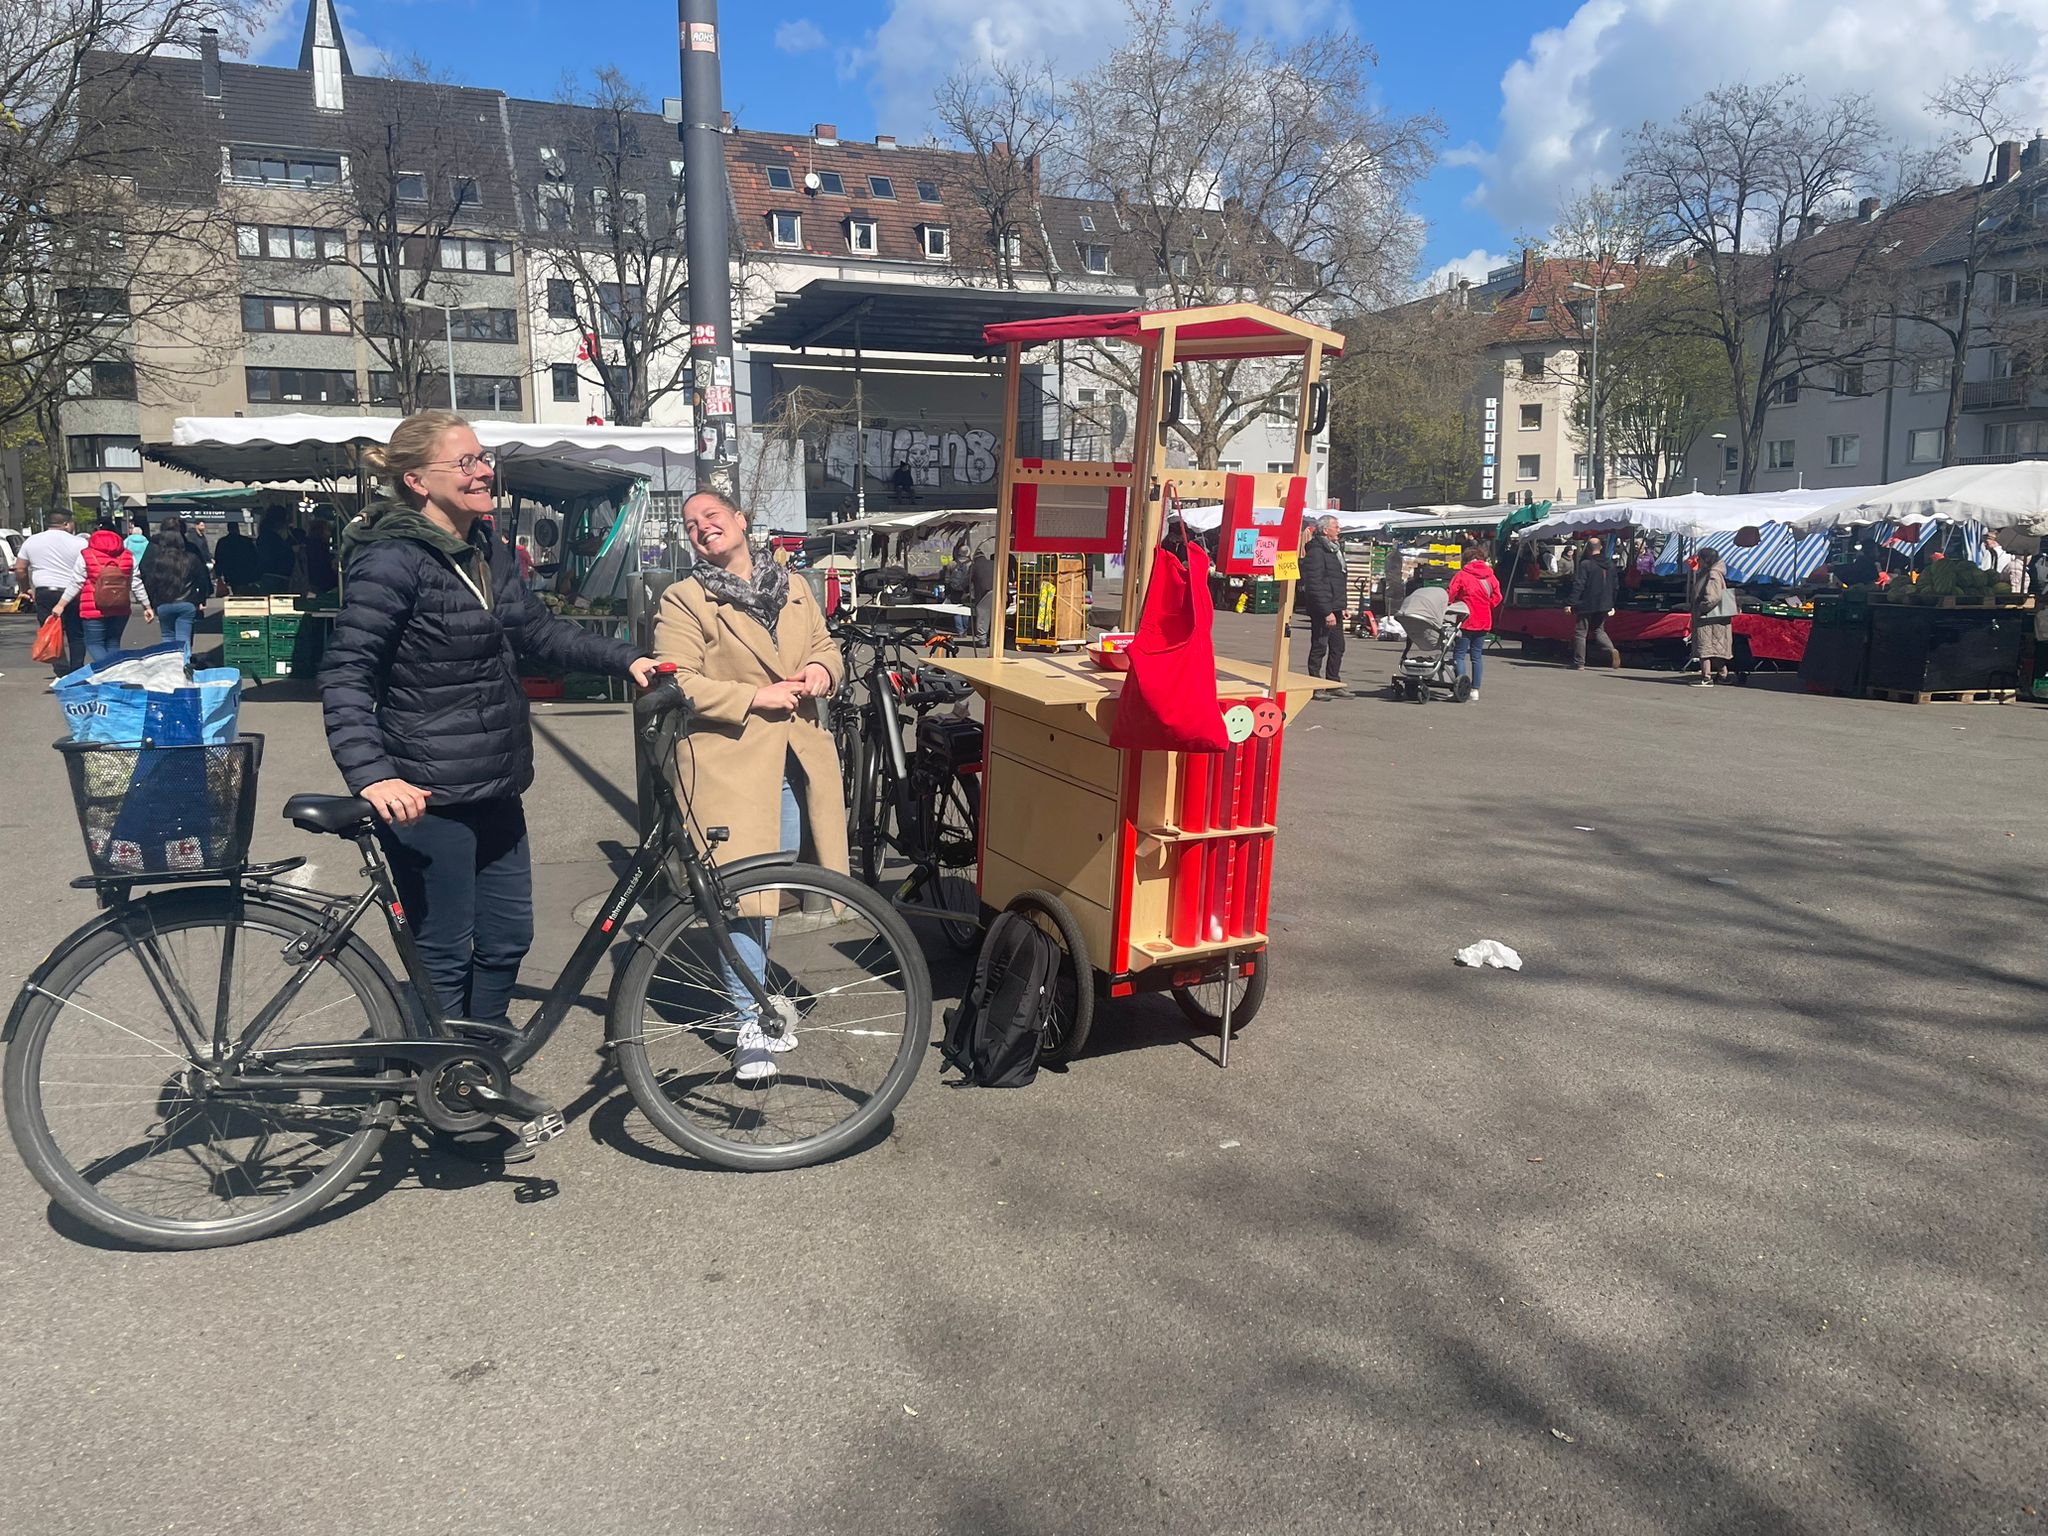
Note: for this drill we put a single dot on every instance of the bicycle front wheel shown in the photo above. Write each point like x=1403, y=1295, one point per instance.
x=108, y=1088
x=851, y=1008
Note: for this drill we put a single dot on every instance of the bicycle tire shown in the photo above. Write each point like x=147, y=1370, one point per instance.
x=962, y=933
x=1066, y=1033
x=870, y=828
x=91, y=952
x=1203, y=1002
x=631, y=1023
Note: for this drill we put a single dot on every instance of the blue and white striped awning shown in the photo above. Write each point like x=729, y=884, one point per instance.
x=1781, y=556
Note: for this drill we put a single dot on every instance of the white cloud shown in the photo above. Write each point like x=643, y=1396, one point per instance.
x=922, y=41
x=800, y=36
x=1569, y=104
x=278, y=35
x=1472, y=266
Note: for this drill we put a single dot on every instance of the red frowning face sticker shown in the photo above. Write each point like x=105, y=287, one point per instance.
x=1267, y=718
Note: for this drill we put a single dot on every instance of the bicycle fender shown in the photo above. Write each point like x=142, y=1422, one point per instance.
x=656, y=916
x=41, y=973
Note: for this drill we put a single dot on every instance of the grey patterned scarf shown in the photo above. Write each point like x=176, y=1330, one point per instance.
x=760, y=598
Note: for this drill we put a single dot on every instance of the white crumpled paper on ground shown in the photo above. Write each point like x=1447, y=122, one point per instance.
x=1490, y=952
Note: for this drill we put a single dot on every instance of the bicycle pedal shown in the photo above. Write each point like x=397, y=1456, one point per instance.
x=546, y=1128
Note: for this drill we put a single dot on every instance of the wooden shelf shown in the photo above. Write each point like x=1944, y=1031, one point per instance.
x=1161, y=952
x=1175, y=835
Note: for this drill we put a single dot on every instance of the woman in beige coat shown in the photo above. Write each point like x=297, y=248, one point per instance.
x=753, y=658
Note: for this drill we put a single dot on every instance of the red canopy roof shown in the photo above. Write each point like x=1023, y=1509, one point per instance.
x=1231, y=324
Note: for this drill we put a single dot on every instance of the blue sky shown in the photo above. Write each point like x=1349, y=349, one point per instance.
x=1536, y=96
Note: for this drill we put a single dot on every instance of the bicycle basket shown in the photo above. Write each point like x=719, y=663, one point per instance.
x=149, y=810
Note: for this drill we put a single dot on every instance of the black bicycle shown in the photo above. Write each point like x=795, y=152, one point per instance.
x=213, y=1061
x=922, y=802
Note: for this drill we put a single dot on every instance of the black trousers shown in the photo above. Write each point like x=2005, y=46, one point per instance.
x=1591, y=626
x=47, y=599
x=1325, y=646
x=465, y=877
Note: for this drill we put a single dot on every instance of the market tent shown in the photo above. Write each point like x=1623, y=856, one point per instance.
x=1781, y=555
x=1209, y=515
x=904, y=522
x=1695, y=515
x=1995, y=495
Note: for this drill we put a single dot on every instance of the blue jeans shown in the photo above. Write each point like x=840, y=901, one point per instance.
x=465, y=877
x=1470, y=643
x=174, y=621
x=750, y=934
x=103, y=636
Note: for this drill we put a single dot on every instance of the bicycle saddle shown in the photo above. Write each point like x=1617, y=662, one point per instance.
x=340, y=814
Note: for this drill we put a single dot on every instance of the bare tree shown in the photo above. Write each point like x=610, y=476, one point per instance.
x=1740, y=185
x=1659, y=384
x=112, y=233
x=607, y=236
x=417, y=147
x=795, y=434
x=1404, y=423
x=1240, y=172
x=1008, y=118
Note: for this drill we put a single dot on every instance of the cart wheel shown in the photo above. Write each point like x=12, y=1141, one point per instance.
x=1418, y=690
x=1461, y=690
x=1203, y=1002
x=1073, y=1009
x=1396, y=689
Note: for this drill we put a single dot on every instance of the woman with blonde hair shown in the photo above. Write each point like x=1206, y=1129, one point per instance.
x=753, y=658
x=425, y=713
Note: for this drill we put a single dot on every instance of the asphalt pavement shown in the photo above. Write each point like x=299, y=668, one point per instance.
x=1723, y=1215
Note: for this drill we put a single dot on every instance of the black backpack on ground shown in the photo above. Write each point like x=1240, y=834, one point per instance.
x=995, y=1033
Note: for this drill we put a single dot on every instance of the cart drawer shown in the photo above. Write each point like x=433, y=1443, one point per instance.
x=1054, y=751
x=1062, y=832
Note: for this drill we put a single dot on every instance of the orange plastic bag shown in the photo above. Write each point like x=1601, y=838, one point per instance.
x=49, y=644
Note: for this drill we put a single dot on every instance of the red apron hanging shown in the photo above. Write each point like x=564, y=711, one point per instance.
x=1169, y=699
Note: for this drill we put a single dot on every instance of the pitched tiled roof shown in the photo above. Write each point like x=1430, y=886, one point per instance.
x=749, y=155
x=1541, y=311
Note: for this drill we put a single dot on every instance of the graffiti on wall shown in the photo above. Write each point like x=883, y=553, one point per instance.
x=966, y=458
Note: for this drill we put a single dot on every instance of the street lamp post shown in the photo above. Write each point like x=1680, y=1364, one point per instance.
x=448, y=320
x=1720, y=440
x=1599, y=464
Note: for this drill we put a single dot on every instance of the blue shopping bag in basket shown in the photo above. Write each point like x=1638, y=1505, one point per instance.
x=201, y=709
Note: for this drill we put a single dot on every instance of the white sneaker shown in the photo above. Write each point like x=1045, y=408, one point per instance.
x=1473, y=696
x=752, y=1060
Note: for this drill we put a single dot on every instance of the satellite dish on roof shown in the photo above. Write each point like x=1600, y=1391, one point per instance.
x=811, y=181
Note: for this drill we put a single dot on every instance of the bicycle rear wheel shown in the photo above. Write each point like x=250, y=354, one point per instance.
x=106, y=1076
x=850, y=988
x=954, y=818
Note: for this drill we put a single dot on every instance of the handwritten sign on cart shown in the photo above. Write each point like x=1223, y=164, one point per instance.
x=1255, y=537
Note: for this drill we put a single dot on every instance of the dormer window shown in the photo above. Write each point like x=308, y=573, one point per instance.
x=1096, y=259
x=860, y=236
x=788, y=230
x=552, y=165
x=411, y=186
x=938, y=244
x=1538, y=312
x=780, y=179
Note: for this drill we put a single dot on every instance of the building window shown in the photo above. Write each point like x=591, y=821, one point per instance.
x=1095, y=258
x=634, y=221
x=1529, y=466
x=1539, y=312
x=1087, y=223
x=284, y=168
x=557, y=203
x=1579, y=465
x=2013, y=439
x=109, y=379
x=614, y=313
x=1942, y=299
x=780, y=179
x=1780, y=453
x=1845, y=451
x=463, y=191
x=561, y=299
x=938, y=241
x=881, y=186
x=788, y=230
x=1532, y=418
x=567, y=386
x=860, y=236
x=87, y=454
x=1731, y=458
x=473, y=391
x=927, y=191
x=94, y=305
x=2019, y=289
x=1786, y=391
x=305, y=316
x=1532, y=365
x=409, y=251
x=2007, y=364
x=289, y=242
x=1931, y=376
x=499, y=325
x=301, y=386
x=463, y=255
x=831, y=184
x=1923, y=445
x=411, y=186
x=1177, y=264
x=1849, y=381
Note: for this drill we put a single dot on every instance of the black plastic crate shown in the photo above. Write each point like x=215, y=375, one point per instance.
x=952, y=740
x=164, y=810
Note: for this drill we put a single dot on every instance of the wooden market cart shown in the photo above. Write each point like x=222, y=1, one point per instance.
x=1152, y=868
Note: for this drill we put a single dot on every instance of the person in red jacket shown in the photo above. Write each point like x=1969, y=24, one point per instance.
x=1478, y=589
x=107, y=589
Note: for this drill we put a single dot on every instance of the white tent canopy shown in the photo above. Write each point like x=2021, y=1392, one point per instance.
x=1694, y=515
x=1995, y=495
x=1210, y=515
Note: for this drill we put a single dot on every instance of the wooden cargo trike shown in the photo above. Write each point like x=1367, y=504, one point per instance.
x=1151, y=868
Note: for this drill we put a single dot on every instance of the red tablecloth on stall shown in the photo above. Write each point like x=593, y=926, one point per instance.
x=1770, y=639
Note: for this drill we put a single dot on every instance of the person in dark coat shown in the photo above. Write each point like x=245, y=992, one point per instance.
x=1591, y=599
x=234, y=560
x=172, y=578
x=425, y=714
x=275, y=557
x=1322, y=596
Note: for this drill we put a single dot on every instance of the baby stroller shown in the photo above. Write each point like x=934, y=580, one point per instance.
x=1430, y=622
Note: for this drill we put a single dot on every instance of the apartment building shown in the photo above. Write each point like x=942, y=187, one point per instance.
x=491, y=217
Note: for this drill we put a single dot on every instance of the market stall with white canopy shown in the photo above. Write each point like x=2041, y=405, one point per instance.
x=1995, y=496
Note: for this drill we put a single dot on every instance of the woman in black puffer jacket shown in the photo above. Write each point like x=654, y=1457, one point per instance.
x=425, y=714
